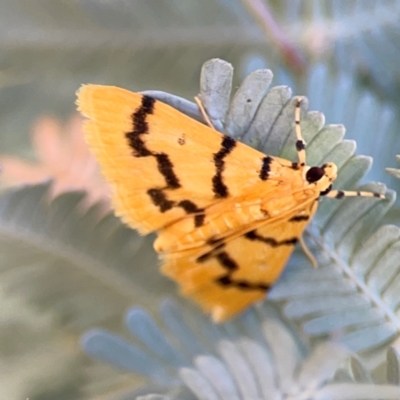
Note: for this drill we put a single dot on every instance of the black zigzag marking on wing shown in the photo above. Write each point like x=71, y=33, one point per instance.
x=164, y=164
x=141, y=127
x=160, y=199
x=227, y=281
x=219, y=188
x=253, y=235
x=191, y=208
x=265, y=168
x=230, y=266
x=299, y=218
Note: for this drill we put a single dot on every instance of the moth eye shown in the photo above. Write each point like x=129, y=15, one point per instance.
x=314, y=174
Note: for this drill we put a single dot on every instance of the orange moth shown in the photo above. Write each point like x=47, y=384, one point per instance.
x=227, y=216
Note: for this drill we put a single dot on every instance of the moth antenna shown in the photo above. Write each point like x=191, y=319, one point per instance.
x=307, y=252
x=300, y=143
x=203, y=111
x=339, y=194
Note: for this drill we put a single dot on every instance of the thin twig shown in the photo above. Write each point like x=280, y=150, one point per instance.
x=262, y=13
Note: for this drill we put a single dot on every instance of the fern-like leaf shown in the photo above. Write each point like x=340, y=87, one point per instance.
x=255, y=357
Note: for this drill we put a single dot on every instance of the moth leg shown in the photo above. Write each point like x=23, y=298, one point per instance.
x=300, y=143
x=339, y=194
x=203, y=111
x=308, y=253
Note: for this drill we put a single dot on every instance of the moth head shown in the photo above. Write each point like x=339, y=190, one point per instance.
x=322, y=177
